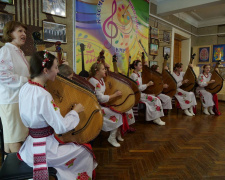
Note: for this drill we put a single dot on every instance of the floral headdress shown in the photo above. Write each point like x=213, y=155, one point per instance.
x=46, y=59
x=97, y=63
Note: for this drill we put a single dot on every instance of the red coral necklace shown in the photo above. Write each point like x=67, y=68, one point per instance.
x=206, y=75
x=100, y=81
x=136, y=73
x=37, y=84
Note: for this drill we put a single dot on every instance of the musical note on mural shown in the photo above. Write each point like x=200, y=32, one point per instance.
x=91, y=56
x=80, y=34
x=78, y=61
x=108, y=22
x=89, y=46
x=117, y=41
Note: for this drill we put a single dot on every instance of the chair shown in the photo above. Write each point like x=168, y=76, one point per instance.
x=176, y=103
x=14, y=169
x=3, y=153
x=139, y=111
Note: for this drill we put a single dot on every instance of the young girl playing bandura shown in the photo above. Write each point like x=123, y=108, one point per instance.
x=166, y=100
x=154, y=108
x=112, y=120
x=42, y=116
x=186, y=99
x=204, y=79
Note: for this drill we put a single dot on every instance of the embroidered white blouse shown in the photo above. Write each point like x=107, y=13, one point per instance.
x=202, y=81
x=37, y=110
x=100, y=90
x=179, y=78
x=138, y=79
x=14, y=72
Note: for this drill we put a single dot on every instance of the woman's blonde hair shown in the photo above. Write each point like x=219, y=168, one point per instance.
x=9, y=28
x=94, y=68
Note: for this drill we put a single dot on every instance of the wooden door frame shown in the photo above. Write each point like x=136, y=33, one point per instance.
x=185, y=48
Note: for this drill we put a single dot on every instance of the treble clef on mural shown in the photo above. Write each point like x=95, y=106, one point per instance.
x=107, y=23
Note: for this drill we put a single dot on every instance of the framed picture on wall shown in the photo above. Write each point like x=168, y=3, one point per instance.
x=166, y=36
x=218, y=53
x=166, y=50
x=152, y=63
x=153, y=49
x=204, y=54
x=4, y=18
x=7, y=1
x=53, y=32
x=154, y=33
x=56, y=7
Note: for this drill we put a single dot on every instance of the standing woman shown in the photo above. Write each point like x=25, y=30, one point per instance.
x=154, y=108
x=187, y=100
x=112, y=120
x=204, y=79
x=14, y=72
x=166, y=100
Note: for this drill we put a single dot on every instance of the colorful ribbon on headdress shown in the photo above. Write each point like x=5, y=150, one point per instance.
x=46, y=59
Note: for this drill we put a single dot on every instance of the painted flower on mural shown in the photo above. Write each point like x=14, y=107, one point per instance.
x=103, y=112
x=98, y=86
x=70, y=162
x=54, y=105
x=113, y=118
x=83, y=176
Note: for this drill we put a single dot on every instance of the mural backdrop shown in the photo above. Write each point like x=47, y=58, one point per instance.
x=117, y=26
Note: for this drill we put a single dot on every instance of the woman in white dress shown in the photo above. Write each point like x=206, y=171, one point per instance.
x=187, y=100
x=129, y=114
x=166, y=100
x=112, y=120
x=204, y=79
x=154, y=109
x=42, y=116
x=14, y=72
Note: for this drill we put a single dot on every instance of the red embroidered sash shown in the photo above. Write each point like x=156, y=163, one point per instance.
x=40, y=168
x=41, y=132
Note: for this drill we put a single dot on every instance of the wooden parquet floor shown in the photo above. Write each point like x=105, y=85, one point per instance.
x=186, y=148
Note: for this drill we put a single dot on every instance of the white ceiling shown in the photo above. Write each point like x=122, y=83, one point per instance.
x=199, y=13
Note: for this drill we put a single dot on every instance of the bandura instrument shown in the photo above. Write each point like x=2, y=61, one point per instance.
x=218, y=84
x=128, y=72
x=66, y=93
x=190, y=75
x=130, y=82
x=168, y=79
x=115, y=82
x=150, y=75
